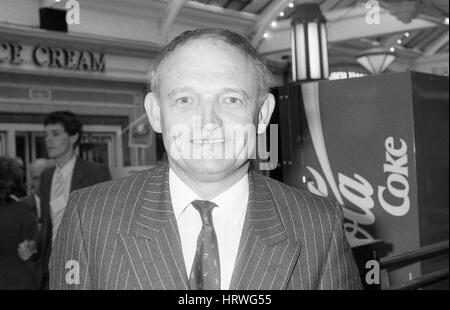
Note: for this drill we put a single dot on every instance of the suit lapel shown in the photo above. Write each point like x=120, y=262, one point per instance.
x=152, y=244
x=77, y=175
x=266, y=254
x=46, y=228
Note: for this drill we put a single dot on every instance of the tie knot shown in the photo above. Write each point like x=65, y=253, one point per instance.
x=204, y=207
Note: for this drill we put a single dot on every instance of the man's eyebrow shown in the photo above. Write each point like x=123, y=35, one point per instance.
x=54, y=130
x=174, y=91
x=236, y=90
x=242, y=92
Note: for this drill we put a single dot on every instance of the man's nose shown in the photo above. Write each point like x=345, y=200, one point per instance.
x=210, y=115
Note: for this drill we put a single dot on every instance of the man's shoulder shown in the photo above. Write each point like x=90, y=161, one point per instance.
x=91, y=166
x=302, y=201
x=17, y=209
x=47, y=172
x=28, y=200
x=111, y=205
x=125, y=188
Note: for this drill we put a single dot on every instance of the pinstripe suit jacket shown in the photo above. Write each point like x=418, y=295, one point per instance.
x=124, y=235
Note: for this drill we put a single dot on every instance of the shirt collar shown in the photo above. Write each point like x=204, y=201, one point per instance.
x=180, y=194
x=230, y=201
x=68, y=168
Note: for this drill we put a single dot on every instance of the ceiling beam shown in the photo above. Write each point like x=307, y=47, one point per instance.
x=328, y=5
x=255, y=6
x=437, y=58
x=436, y=64
x=61, y=5
x=345, y=25
x=436, y=45
x=391, y=40
x=265, y=19
x=170, y=13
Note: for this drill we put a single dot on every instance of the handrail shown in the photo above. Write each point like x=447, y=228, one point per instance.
x=408, y=257
x=422, y=281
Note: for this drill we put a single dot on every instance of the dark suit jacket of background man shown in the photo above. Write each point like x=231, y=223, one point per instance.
x=30, y=202
x=124, y=235
x=84, y=174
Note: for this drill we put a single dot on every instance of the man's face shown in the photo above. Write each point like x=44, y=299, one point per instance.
x=58, y=141
x=35, y=175
x=207, y=108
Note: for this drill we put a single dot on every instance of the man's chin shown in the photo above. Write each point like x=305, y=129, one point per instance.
x=52, y=155
x=207, y=168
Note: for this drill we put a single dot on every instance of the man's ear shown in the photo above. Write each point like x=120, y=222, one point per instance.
x=265, y=113
x=74, y=138
x=153, y=111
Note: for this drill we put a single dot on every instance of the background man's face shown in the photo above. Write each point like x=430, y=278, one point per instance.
x=34, y=184
x=208, y=96
x=58, y=141
x=34, y=174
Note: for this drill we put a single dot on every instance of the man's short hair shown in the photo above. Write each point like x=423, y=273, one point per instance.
x=264, y=76
x=68, y=121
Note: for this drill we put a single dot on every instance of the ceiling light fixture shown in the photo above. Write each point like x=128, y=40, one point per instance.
x=309, y=43
x=376, y=59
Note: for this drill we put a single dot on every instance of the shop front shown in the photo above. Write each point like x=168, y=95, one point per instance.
x=103, y=82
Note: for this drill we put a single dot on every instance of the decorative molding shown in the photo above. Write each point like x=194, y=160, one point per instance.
x=75, y=40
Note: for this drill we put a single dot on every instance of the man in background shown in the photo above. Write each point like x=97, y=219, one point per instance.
x=33, y=200
x=27, y=248
x=63, y=134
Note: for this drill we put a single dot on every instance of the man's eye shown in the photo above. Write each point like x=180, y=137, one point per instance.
x=233, y=100
x=184, y=101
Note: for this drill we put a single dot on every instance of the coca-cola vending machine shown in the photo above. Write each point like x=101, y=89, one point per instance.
x=379, y=145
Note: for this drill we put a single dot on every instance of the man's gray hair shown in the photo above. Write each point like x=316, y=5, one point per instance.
x=264, y=76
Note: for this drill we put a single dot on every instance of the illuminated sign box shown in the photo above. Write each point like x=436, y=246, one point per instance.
x=379, y=146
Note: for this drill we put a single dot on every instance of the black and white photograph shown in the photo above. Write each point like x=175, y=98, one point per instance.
x=249, y=146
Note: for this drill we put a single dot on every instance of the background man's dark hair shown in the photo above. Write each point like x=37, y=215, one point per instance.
x=264, y=76
x=68, y=121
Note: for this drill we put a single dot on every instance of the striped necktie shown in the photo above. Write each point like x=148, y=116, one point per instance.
x=205, y=271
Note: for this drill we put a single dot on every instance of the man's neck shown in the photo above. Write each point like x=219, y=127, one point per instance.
x=211, y=186
x=62, y=160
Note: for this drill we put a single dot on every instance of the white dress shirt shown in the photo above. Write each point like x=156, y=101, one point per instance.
x=58, y=204
x=228, y=221
x=37, y=202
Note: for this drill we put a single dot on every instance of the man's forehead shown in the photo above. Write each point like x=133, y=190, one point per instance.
x=56, y=126
x=207, y=56
x=207, y=44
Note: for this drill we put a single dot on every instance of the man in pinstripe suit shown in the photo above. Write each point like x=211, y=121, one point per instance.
x=209, y=89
